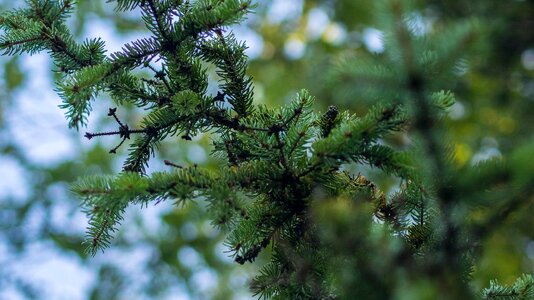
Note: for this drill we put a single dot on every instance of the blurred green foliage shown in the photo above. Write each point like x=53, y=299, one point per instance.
x=494, y=91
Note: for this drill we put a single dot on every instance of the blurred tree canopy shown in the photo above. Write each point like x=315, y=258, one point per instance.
x=294, y=45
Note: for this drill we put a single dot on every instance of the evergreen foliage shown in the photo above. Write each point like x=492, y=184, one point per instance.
x=285, y=185
x=523, y=288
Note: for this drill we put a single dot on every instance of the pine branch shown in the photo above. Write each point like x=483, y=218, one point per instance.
x=284, y=181
x=522, y=288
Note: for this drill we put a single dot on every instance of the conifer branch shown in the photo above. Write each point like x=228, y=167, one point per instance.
x=284, y=178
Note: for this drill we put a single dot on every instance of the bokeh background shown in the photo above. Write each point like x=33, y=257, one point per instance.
x=168, y=252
